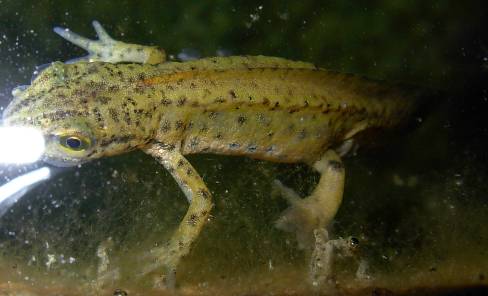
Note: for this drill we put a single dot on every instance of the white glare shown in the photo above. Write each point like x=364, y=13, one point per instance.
x=20, y=145
x=16, y=188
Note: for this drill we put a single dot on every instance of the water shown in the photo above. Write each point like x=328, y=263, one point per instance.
x=417, y=204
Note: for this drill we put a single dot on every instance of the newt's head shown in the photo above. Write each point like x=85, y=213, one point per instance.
x=79, y=110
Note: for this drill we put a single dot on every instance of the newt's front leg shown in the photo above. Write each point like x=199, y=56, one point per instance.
x=106, y=49
x=200, y=205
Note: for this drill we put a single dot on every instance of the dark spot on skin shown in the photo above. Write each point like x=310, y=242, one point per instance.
x=116, y=140
x=166, y=126
x=265, y=101
x=179, y=125
x=219, y=100
x=218, y=136
x=335, y=165
x=293, y=110
x=189, y=171
x=204, y=128
x=193, y=220
x=194, y=142
x=234, y=145
x=270, y=149
x=181, y=101
x=114, y=114
x=167, y=147
x=180, y=163
x=98, y=116
x=60, y=114
x=91, y=153
x=166, y=102
x=241, y=120
x=127, y=118
x=212, y=115
x=232, y=94
x=113, y=88
x=119, y=292
x=203, y=193
x=252, y=148
x=131, y=101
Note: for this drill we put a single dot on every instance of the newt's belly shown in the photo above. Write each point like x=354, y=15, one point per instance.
x=276, y=136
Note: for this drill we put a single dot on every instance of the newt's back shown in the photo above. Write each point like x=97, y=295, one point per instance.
x=270, y=108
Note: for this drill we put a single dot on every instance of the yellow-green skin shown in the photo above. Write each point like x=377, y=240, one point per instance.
x=261, y=107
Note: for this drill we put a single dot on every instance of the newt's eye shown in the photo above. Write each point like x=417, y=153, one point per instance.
x=74, y=142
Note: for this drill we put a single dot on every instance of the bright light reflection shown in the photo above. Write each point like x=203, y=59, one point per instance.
x=12, y=191
x=20, y=145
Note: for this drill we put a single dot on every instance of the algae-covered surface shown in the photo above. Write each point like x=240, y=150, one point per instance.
x=417, y=202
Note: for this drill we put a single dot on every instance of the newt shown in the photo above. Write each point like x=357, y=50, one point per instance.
x=123, y=97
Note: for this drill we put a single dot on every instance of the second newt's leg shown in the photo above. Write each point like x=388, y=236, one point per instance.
x=200, y=205
x=106, y=49
x=317, y=210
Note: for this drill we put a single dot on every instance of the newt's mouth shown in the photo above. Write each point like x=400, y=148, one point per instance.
x=62, y=161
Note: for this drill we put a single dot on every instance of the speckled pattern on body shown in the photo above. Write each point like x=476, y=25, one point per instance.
x=261, y=107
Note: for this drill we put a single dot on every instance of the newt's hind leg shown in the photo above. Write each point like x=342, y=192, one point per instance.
x=309, y=217
x=317, y=210
x=196, y=192
x=106, y=49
